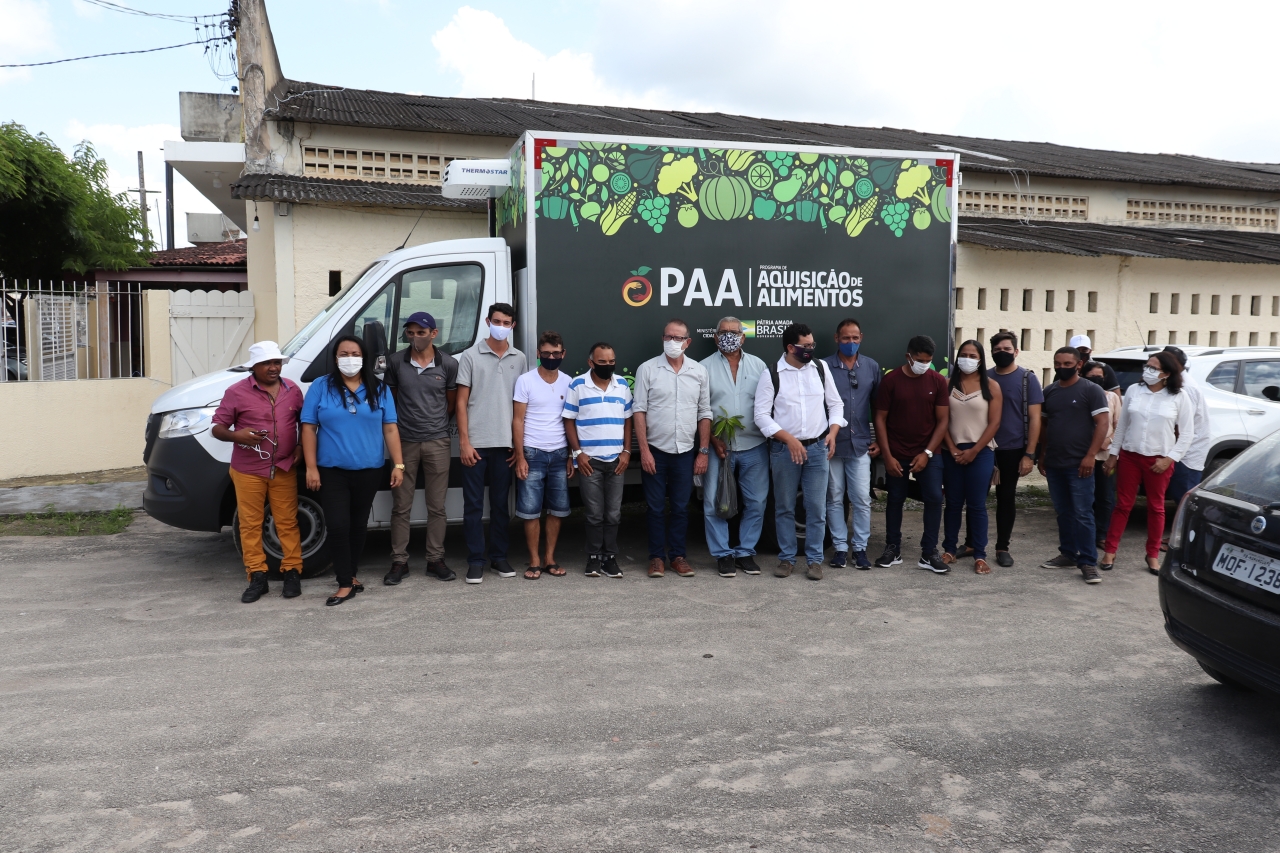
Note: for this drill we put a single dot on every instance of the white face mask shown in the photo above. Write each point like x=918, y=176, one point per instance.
x=920, y=368
x=499, y=333
x=1150, y=375
x=967, y=365
x=350, y=365
x=673, y=349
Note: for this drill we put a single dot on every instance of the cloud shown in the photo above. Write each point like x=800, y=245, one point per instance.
x=26, y=34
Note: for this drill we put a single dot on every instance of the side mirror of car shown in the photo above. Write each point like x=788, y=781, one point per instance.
x=1272, y=393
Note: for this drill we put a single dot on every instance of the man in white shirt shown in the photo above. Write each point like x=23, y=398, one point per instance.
x=1188, y=471
x=801, y=417
x=542, y=453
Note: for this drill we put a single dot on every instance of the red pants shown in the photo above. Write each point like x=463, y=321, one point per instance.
x=1131, y=470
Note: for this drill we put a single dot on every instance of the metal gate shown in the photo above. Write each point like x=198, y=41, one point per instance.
x=209, y=330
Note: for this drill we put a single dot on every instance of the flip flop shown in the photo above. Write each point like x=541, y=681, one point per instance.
x=533, y=573
x=554, y=570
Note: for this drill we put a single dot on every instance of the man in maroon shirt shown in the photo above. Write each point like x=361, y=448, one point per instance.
x=911, y=420
x=260, y=415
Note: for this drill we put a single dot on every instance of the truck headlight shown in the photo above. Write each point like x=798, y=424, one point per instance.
x=186, y=422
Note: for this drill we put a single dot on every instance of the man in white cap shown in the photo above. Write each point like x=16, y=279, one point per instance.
x=259, y=414
x=1084, y=346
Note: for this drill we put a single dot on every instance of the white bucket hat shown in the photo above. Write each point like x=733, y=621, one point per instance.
x=264, y=351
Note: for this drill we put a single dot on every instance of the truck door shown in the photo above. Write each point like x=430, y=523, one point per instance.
x=1261, y=412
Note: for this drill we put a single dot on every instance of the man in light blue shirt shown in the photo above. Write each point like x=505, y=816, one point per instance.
x=857, y=378
x=734, y=375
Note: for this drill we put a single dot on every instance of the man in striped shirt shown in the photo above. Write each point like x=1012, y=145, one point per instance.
x=597, y=424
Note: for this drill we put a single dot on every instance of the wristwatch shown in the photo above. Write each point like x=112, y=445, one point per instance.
x=575, y=453
x=928, y=452
x=399, y=467
x=1030, y=456
x=704, y=450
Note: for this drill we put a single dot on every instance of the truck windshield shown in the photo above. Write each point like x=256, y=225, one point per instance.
x=345, y=295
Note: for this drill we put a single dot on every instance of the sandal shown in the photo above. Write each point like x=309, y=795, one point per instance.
x=948, y=558
x=533, y=573
x=981, y=567
x=555, y=571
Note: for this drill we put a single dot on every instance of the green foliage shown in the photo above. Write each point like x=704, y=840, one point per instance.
x=726, y=427
x=53, y=523
x=57, y=215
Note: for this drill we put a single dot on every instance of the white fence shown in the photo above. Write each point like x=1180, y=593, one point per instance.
x=209, y=330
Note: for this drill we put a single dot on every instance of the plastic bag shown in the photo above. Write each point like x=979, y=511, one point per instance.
x=726, y=490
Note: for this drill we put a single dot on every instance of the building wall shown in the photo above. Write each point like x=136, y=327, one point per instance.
x=1118, y=313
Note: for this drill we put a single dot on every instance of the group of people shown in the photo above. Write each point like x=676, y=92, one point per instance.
x=799, y=427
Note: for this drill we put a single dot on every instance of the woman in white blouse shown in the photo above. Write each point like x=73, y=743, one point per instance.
x=1155, y=431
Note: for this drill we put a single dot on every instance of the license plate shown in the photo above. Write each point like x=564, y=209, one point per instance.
x=1249, y=567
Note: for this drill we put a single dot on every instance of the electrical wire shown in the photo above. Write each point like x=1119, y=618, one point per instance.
x=100, y=55
x=116, y=7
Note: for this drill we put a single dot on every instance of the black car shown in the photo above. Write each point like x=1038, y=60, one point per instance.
x=1220, y=583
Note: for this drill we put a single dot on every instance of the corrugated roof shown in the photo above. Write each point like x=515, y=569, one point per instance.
x=308, y=190
x=1093, y=240
x=230, y=253
x=508, y=118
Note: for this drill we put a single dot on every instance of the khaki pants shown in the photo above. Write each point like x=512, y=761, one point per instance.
x=433, y=457
x=253, y=493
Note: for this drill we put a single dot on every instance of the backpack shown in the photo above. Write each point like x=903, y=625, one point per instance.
x=773, y=374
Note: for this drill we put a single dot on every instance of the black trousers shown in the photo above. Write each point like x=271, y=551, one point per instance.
x=1007, y=462
x=346, y=497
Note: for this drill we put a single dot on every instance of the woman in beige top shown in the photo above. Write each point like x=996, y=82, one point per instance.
x=975, y=405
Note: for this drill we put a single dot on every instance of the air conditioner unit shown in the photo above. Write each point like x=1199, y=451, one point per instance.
x=476, y=178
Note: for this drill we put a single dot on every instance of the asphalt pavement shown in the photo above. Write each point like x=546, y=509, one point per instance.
x=146, y=708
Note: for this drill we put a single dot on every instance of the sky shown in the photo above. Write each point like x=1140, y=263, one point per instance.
x=1171, y=77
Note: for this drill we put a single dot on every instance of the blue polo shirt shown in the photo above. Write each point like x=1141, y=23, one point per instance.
x=854, y=439
x=344, y=439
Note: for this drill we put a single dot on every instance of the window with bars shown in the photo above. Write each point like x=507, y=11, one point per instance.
x=375, y=165
x=1023, y=205
x=1196, y=213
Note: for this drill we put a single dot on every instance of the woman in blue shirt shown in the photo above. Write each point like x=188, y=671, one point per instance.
x=347, y=418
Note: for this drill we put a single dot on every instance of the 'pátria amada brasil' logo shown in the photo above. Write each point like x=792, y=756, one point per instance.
x=637, y=290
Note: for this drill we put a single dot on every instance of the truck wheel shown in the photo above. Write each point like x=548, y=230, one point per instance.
x=1221, y=677
x=316, y=560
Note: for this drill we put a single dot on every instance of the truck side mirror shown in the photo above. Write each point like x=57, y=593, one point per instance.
x=1272, y=393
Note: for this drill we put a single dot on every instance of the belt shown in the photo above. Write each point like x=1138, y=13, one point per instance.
x=808, y=441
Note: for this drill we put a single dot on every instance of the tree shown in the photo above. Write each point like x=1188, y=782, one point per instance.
x=57, y=215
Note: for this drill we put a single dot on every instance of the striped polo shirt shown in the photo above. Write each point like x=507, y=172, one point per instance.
x=600, y=415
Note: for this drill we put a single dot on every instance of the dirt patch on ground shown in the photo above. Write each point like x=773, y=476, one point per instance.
x=113, y=475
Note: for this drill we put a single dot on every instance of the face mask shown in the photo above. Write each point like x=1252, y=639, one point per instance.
x=1064, y=374
x=350, y=365
x=729, y=341
x=920, y=368
x=1150, y=375
x=1097, y=380
x=1084, y=354
x=499, y=333
x=421, y=344
x=551, y=363
x=849, y=350
x=1002, y=358
x=673, y=349
x=967, y=365
x=603, y=371
x=804, y=356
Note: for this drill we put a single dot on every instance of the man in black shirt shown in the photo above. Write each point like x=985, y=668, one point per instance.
x=1076, y=417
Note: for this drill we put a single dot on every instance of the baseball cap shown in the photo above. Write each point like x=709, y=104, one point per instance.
x=264, y=351
x=422, y=318
x=1081, y=341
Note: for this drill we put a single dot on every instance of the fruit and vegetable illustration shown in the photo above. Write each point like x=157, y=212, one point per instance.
x=610, y=186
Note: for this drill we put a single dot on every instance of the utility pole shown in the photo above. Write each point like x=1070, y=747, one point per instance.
x=168, y=205
x=142, y=198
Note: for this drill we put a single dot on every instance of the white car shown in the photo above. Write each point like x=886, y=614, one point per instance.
x=1241, y=386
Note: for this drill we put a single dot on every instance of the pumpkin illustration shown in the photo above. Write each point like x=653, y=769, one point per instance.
x=725, y=197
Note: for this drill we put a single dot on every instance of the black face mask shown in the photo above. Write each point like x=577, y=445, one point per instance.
x=1002, y=358
x=1064, y=374
x=551, y=363
x=603, y=371
x=1100, y=381
x=804, y=356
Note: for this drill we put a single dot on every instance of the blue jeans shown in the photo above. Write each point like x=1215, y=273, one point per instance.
x=548, y=482
x=752, y=470
x=671, y=482
x=1104, y=499
x=1184, y=480
x=930, y=480
x=967, y=486
x=787, y=478
x=492, y=471
x=850, y=475
x=1072, y=497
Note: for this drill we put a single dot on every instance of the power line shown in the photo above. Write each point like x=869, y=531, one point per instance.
x=100, y=55
x=116, y=7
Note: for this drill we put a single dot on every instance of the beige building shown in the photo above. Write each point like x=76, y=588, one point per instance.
x=1054, y=241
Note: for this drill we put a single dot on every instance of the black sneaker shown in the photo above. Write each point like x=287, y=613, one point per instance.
x=747, y=565
x=256, y=589
x=1090, y=573
x=439, y=570
x=397, y=574
x=475, y=573
x=502, y=569
x=891, y=557
x=839, y=559
x=726, y=567
x=292, y=585
x=860, y=561
x=933, y=563
x=593, y=567
x=1003, y=559
x=611, y=568
x=1062, y=561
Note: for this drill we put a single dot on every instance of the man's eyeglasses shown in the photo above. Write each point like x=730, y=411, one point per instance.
x=679, y=339
x=551, y=354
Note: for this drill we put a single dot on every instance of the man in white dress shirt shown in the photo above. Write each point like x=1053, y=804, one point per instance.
x=800, y=410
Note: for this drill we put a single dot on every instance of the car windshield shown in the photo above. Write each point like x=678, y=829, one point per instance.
x=1128, y=370
x=335, y=306
x=1253, y=476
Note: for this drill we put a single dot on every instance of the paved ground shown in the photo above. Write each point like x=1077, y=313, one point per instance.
x=145, y=708
x=102, y=497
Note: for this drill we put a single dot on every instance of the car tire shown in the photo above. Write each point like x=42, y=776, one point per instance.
x=1214, y=464
x=316, y=558
x=1221, y=677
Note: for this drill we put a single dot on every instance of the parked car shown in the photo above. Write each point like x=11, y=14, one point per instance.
x=1220, y=582
x=1241, y=386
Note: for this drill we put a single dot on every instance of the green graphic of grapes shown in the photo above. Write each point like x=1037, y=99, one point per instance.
x=781, y=161
x=620, y=183
x=654, y=211
x=895, y=216
x=864, y=188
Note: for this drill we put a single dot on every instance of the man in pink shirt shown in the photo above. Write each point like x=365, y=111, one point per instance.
x=260, y=415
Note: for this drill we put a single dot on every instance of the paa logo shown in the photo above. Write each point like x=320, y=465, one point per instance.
x=637, y=290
